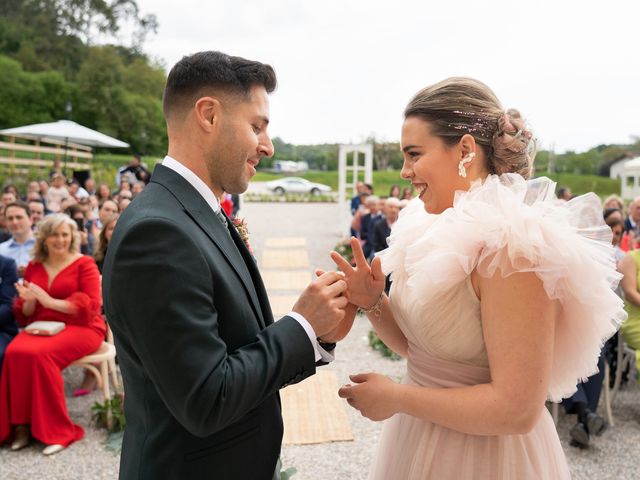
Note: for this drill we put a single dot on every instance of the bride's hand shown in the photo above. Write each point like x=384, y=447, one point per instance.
x=364, y=283
x=376, y=397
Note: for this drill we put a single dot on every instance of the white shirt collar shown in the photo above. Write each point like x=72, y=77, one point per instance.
x=197, y=183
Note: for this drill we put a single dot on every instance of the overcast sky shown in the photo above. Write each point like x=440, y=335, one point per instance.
x=346, y=68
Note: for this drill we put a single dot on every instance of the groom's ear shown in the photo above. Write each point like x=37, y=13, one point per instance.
x=208, y=111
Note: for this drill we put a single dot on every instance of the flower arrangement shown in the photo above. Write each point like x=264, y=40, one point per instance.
x=379, y=345
x=343, y=247
x=241, y=227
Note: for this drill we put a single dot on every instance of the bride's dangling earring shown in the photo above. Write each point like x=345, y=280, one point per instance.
x=467, y=159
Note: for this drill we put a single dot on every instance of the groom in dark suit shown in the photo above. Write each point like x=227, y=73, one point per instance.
x=201, y=356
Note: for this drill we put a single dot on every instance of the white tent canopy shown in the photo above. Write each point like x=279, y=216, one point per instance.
x=67, y=131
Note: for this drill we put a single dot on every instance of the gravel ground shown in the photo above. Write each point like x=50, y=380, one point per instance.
x=614, y=455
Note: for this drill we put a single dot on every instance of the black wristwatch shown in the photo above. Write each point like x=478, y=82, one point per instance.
x=326, y=346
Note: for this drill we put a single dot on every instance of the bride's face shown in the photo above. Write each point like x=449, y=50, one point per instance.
x=430, y=165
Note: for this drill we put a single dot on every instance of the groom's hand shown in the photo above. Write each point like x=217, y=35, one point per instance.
x=322, y=303
x=344, y=327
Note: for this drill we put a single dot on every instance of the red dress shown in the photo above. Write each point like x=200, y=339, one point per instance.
x=31, y=384
x=227, y=204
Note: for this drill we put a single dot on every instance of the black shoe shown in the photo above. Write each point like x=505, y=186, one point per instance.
x=573, y=443
x=580, y=435
x=595, y=424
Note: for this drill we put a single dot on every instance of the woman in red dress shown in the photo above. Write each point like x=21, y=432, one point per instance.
x=59, y=284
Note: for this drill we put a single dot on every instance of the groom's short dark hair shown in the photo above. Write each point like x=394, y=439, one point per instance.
x=210, y=72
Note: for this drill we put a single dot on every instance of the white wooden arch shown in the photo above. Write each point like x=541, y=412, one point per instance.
x=361, y=172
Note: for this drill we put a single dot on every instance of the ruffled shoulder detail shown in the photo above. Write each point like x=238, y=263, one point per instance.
x=506, y=224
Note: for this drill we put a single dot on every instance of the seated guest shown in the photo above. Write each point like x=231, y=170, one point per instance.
x=366, y=222
x=89, y=381
x=355, y=201
x=137, y=188
x=633, y=217
x=90, y=186
x=107, y=209
x=44, y=191
x=12, y=189
x=33, y=190
x=76, y=190
x=356, y=226
x=382, y=228
x=8, y=328
x=613, y=201
x=8, y=197
x=135, y=171
x=123, y=204
x=613, y=218
x=56, y=168
x=564, y=193
x=584, y=402
x=629, y=266
x=235, y=198
x=103, y=240
x=21, y=243
x=103, y=193
x=36, y=207
x=57, y=193
x=4, y=233
x=87, y=240
x=60, y=284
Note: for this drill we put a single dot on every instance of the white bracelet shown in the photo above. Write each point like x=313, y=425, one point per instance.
x=376, y=309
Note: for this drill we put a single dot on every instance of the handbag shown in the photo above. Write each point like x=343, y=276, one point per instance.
x=45, y=328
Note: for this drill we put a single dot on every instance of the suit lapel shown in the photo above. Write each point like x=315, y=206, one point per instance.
x=254, y=272
x=200, y=212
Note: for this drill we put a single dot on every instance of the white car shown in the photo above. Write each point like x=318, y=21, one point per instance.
x=296, y=185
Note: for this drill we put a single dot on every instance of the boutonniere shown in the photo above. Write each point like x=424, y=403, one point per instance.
x=241, y=227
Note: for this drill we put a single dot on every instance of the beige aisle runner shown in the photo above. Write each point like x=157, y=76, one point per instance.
x=313, y=412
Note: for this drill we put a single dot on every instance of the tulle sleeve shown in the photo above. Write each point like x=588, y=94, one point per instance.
x=508, y=225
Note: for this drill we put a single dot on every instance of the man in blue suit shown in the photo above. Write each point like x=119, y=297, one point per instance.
x=8, y=277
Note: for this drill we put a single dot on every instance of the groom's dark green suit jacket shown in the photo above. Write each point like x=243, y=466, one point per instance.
x=201, y=357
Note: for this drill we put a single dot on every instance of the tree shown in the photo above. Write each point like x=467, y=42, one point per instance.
x=30, y=97
x=49, y=34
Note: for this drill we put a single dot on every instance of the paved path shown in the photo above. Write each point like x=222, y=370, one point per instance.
x=290, y=240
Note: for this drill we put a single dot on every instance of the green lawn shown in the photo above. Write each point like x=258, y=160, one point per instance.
x=382, y=181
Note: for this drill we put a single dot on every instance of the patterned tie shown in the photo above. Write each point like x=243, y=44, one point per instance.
x=223, y=219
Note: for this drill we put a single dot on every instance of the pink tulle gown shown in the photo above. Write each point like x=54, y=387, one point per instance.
x=503, y=224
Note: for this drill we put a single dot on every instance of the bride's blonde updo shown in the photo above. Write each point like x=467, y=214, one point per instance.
x=459, y=105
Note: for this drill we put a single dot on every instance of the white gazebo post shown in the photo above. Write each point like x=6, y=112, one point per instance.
x=629, y=184
x=347, y=189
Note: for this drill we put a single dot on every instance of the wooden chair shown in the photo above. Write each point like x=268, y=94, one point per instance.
x=625, y=358
x=104, y=357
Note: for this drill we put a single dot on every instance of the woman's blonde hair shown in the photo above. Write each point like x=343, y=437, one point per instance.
x=103, y=243
x=47, y=227
x=459, y=105
x=614, y=198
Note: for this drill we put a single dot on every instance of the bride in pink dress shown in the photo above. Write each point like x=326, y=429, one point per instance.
x=501, y=298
